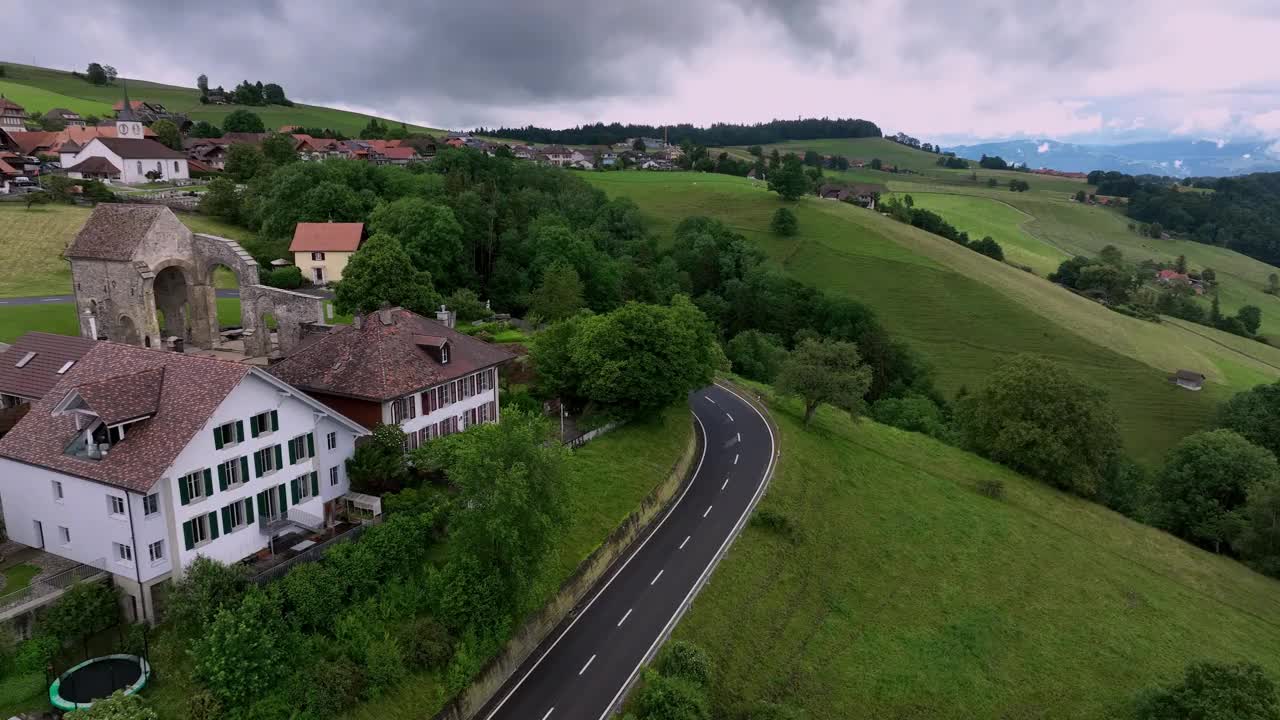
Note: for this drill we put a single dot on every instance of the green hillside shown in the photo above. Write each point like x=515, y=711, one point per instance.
x=37, y=88
x=964, y=312
x=904, y=593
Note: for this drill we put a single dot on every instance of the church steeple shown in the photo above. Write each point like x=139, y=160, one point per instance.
x=127, y=124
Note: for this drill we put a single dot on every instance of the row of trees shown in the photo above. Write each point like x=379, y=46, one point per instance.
x=904, y=210
x=246, y=93
x=99, y=74
x=717, y=135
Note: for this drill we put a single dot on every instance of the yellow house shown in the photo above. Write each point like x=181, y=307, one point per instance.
x=321, y=250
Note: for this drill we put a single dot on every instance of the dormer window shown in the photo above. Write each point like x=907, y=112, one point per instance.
x=444, y=354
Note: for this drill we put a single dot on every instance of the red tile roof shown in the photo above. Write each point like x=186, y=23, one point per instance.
x=181, y=390
x=40, y=373
x=7, y=169
x=95, y=166
x=385, y=358
x=400, y=153
x=326, y=237
x=7, y=104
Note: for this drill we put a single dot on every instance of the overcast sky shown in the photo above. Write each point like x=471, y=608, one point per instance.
x=937, y=69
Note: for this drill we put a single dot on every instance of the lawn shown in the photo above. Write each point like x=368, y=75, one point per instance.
x=964, y=312
x=41, y=100
x=60, y=318
x=18, y=577
x=61, y=84
x=907, y=594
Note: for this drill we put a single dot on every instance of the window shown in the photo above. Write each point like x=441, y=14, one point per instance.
x=444, y=354
x=57, y=491
x=267, y=460
x=139, y=167
x=65, y=534
x=155, y=551
x=195, y=486
x=304, y=487
x=123, y=553
x=200, y=530
x=331, y=441
x=237, y=515
x=333, y=476
x=318, y=256
x=150, y=504
x=175, y=166
x=228, y=434
x=302, y=448
x=115, y=505
x=263, y=423
x=159, y=167
x=233, y=472
x=403, y=409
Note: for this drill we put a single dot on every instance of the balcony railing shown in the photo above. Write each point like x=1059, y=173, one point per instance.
x=272, y=524
x=12, y=602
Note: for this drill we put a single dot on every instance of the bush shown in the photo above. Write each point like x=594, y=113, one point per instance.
x=202, y=705
x=244, y=650
x=992, y=488
x=378, y=464
x=312, y=596
x=775, y=522
x=135, y=639
x=467, y=305
x=205, y=588
x=116, y=707
x=685, y=660
x=329, y=687
x=913, y=413
x=34, y=655
x=669, y=698
x=83, y=610
x=285, y=278
x=426, y=644
x=1215, y=691
x=755, y=355
x=384, y=665
x=784, y=222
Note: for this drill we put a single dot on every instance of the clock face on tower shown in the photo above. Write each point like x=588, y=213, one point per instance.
x=124, y=129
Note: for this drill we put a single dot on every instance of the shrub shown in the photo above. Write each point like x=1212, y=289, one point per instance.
x=244, y=650
x=384, y=665
x=775, y=522
x=34, y=655
x=467, y=305
x=116, y=707
x=285, y=278
x=1215, y=691
x=670, y=698
x=784, y=222
x=992, y=488
x=426, y=644
x=135, y=639
x=83, y=610
x=330, y=686
x=312, y=595
x=685, y=660
x=914, y=413
x=756, y=355
x=202, y=705
x=205, y=588
x=378, y=464
x=8, y=649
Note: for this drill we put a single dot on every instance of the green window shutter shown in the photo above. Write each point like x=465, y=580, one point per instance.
x=248, y=510
x=253, y=426
x=311, y=444
x=275, y=421
x=217, y=438
x=222, y=476
x=257, y=463
x=182, y=491
x=282, y=498
x=239, y=431
x=315, y=484
x=293, y=490
x=262, y=503
x=226, y=519
x=208, y=482
x=293, y=453
x=188, y=534
x=213, y=525
x=279, y=462
x=244, y=469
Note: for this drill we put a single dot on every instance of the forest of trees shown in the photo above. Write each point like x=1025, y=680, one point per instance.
x=715, y=135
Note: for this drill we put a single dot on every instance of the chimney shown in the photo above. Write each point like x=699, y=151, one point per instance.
x=445, y=316
x=358, y=321
x=384, y=314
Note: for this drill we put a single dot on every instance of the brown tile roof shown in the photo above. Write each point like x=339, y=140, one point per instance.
x=95, y=165
x=121, y=399
x=326, y=237
x=400, y=153
x=7, y=104
x=140, y=149
x=113, y=231
x=385, y=360
x=187, y=391
x=31, y=142
x=7, y=169
x=40, y=374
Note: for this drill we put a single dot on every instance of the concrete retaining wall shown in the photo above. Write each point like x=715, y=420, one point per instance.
x=539, y=628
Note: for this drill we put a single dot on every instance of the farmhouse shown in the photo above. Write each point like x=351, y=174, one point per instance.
x=1188, y=380
x=557, y=155
x=139, y=461
x=65, y=116
x=13, y=117
x=322, y=250
x=394, y=366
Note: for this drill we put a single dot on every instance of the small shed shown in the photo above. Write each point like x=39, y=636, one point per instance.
x=360, y=506
x=1188, y=380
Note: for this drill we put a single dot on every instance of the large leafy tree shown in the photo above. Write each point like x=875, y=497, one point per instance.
x=206, y=587
x=1205, y=483
x=382, y=272
x=1259, y=541
x=825, y=371
x=205, y=129
x=278, y=149
x=244, y=650
x=167, y=134
x=789, y=180
x=429, y=233
x=1215, y=691
x=245, y=161
x=243, y=121
x=378, y=465
x=756, y=355
x=1255, y=414
x=1040, y=419
x=559, y=295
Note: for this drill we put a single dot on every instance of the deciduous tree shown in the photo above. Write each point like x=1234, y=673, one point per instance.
x=825, y=371
x=784, y=222
x=244, y=650
x=1259, y=541
x=429, y=232
x=1255, y=414
x=756, y=355
x=789, y=180
x=382, y=272
x=243, y=121
x=1215, y=691
x=167, y=134
x=558, y=295
x=244, y=161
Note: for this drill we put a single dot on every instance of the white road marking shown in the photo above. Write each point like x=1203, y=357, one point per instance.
x=735, y=459
x=730, y=417
x=49, y=300
x=739, y=437
x=655, y=577
x=584, y=667
x=686, y=541
x=713, y=402
x=624, y=618
x=544, y=717
x=725, y=484
x=708, y=512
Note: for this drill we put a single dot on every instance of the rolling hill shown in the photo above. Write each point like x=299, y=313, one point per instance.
x=37, y=88
x=899, y=591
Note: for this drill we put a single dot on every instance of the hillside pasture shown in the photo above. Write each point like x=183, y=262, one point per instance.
x=35, y=99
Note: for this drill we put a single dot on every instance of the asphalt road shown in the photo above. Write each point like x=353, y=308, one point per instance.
x=582, y=673
x=72, y=298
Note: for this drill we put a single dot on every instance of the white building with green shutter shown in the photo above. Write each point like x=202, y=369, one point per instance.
x=143, y=460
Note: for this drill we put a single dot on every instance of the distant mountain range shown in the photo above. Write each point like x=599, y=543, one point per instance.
x=1178, y=158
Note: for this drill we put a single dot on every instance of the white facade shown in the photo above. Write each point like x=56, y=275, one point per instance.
x=446, y=408
x=133, y=171
x=79, y=519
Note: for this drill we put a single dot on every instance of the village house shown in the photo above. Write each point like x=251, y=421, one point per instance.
x=148, y=112
x=1188, y=380
x=65, y=116
x=13, y=117
x=139, y=461
x=31, y=367
x=523, y=152
x=557, y=155
x=396, y=367
x=322, y=250
x=397, y=156
x=8, y=175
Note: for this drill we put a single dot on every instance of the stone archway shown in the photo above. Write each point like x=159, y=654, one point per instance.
x=172, y=293
x=128, y=330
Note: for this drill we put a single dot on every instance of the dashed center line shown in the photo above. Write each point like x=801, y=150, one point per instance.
x=725, y=484
x=686, y=541
x=544, y=717
x=584, y=667
x=713, y=402
x=730, y=417
x=708, y=512
x=739, y=437
x=735, y=459
x=655, y=577
x=624, y=617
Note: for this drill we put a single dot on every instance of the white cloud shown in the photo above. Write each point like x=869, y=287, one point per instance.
x=1042, y=147
x=1177, y=164
x=1246, y=156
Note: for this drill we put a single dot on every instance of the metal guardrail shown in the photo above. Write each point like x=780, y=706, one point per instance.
x=53, y=584
x=292, y=516
x=275, y=572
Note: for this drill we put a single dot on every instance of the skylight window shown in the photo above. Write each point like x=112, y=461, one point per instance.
x=25, y=359
x=63, y=370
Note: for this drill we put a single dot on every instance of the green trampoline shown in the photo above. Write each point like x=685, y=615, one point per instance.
x=91, y=680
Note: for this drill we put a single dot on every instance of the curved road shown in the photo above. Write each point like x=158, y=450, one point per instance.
x=583, y=672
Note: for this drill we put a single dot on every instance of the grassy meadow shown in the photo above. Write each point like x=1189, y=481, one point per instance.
x=944, y=603
x=44, y=88
x=964, y=312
